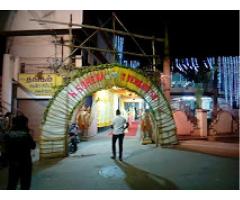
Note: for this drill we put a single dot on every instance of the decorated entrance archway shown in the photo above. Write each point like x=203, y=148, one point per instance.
x=85, y=82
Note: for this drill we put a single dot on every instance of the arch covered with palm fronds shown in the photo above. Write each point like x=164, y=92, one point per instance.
x=85, y=82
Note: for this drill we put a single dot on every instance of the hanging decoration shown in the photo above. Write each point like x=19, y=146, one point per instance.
x=228, y=74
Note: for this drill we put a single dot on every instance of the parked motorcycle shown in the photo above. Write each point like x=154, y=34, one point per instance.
x=73, y=138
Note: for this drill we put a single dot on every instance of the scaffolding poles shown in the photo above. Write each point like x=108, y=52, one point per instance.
x=113, y=31
x=88, y=38
x=111, y=51
x=101, y=29
x=153, y=55
x=131, y=35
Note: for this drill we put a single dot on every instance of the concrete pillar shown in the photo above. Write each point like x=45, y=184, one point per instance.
x=202, y=122
x=166, y=78
x=16, y=68
x=78, y=61
x=7, y=83
x=67, y=49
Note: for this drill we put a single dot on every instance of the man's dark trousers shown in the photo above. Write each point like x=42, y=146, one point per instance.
x=120, y=142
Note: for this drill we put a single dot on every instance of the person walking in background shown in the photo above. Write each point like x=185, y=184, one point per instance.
x=18, y=149
x=119, y=125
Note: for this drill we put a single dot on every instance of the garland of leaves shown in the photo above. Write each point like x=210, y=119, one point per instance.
x=80, y=72
x=164, y=122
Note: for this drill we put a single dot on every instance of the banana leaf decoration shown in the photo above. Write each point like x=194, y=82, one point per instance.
x=85, y=82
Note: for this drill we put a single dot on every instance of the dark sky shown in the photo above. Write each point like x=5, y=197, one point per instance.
x=191, y=33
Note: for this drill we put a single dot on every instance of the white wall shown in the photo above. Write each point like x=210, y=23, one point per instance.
x=39, y=50
x=21, y=20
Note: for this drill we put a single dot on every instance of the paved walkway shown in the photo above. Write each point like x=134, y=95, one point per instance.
x=144, y=167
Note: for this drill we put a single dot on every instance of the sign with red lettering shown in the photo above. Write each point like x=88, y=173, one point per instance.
x=110, y=77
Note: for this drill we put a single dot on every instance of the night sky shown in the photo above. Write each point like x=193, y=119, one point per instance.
x=191, y=33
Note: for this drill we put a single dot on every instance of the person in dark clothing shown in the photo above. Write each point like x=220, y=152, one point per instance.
x=18, y=148
x=5, y=125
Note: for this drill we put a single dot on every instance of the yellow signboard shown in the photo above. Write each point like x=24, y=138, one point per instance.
x=40, y=84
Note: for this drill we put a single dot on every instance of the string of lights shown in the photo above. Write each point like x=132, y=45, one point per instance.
x=196, y=70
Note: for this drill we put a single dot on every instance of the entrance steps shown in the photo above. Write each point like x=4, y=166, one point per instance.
x=191, y=137
x=217, y=138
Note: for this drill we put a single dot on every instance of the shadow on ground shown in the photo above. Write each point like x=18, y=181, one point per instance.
x=45, y=164
x=138, y=179
x=37, y=166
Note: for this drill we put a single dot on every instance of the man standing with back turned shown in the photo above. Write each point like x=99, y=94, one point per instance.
x=119, y=125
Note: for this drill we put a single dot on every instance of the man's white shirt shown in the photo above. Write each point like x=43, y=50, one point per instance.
x=118, y=125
